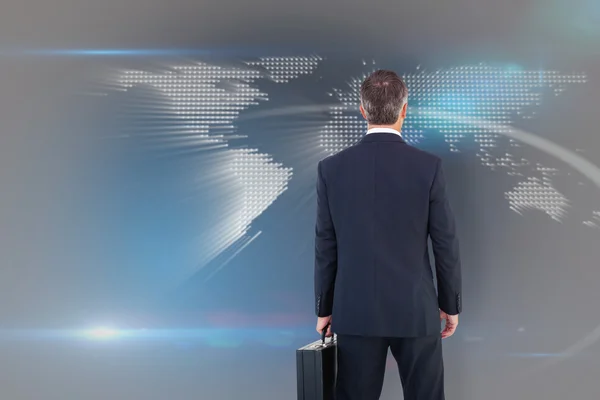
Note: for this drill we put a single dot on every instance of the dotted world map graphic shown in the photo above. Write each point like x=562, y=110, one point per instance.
x=210, y=98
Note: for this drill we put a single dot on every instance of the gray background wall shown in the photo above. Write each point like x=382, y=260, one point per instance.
x=115, y=213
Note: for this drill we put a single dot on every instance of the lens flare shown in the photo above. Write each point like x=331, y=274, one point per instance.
x=102, y=333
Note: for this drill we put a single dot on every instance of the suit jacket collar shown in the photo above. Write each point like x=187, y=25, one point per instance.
x=382, y=137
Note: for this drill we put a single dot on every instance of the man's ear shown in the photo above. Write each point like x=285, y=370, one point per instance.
x=403, y=111
x=362, y=111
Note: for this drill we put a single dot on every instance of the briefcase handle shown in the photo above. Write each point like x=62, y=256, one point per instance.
x=324, y=332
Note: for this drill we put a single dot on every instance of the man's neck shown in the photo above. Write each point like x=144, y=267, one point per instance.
x=396, y=127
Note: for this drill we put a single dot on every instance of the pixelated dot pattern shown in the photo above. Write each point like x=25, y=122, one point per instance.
x=193, y=94
x=492, y=94
x=537, y=194
x=209, y=98
x=495, y=95
x=595, y=221
x=284, y=69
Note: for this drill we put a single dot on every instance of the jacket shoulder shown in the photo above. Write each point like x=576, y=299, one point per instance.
x=416, y=154
x=333, y=158
x=424, y=155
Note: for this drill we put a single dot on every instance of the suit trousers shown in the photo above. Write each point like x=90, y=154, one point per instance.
x=362, y=361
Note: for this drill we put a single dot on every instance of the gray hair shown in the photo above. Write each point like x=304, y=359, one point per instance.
x=382, y=95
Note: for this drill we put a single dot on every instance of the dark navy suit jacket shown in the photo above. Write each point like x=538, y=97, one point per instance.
x=378, y=203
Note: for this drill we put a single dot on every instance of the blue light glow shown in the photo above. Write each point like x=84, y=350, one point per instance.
x=115, y=52
x=212, y=337
x=102, y=333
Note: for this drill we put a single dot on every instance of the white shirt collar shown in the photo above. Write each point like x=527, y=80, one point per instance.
x=386, y=130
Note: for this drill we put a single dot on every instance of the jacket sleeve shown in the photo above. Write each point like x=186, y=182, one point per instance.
x=442, y=231
x=325, y=251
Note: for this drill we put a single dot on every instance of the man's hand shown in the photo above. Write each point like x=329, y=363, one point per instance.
x=323, y=322
x=451, y=324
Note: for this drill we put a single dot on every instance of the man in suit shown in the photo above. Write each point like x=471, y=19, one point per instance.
x=379, y=201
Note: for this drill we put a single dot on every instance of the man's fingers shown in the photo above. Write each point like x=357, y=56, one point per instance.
x=321, y=326
x=447, y=334
x=449, y=330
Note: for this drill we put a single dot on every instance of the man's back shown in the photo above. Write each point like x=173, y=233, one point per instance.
x=380, y=195
x=377, y=203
